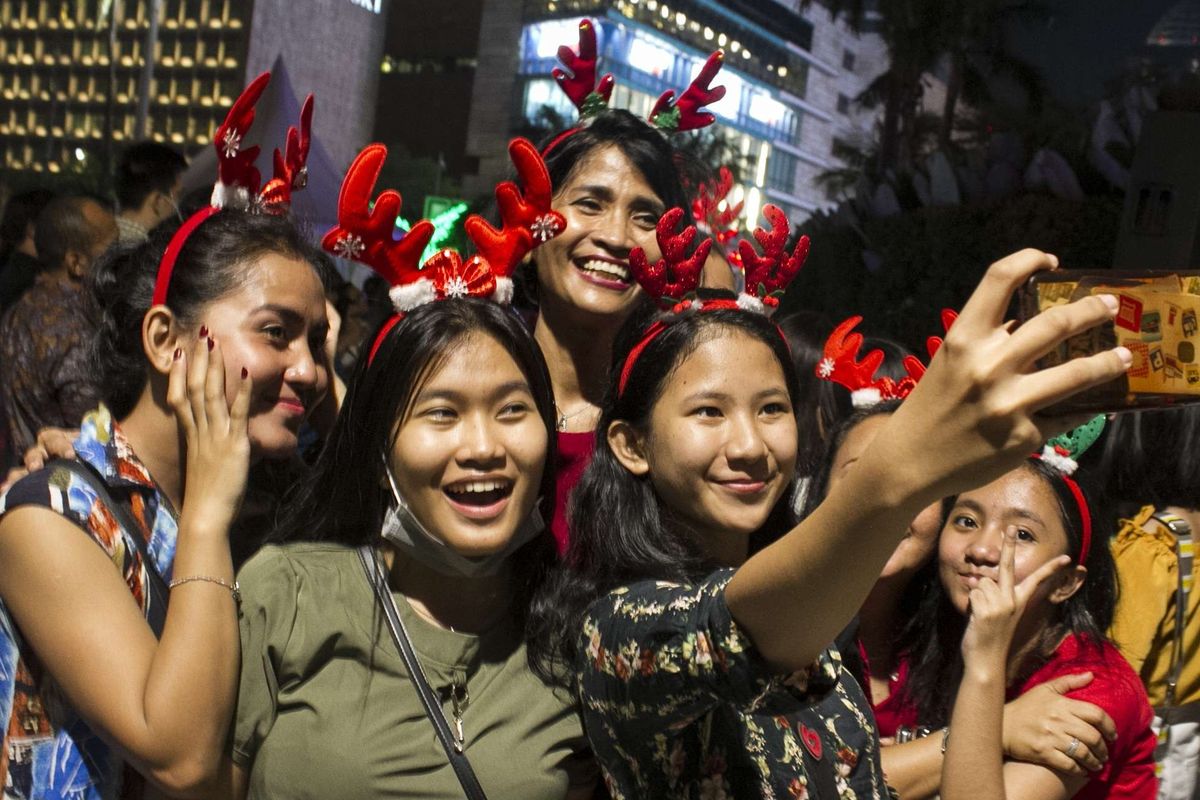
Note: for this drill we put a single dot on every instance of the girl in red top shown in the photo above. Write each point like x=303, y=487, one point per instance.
x=1025, y=592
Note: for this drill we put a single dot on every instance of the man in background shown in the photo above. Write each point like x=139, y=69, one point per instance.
x=45, y=380
x=148, y=183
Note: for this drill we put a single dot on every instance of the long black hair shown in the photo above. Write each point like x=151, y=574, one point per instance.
x=212, y=264
x=1148, y=458
x=933, y=637
x=345, y=496
x=620, y=530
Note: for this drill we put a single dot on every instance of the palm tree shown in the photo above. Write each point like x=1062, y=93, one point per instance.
x=973, y=33
x=965, y=37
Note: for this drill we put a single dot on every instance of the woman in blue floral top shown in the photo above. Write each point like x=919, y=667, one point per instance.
x=102, y=686
x=696, y=619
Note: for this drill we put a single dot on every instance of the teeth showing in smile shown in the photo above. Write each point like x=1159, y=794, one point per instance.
x=479, y=493
x=607, y=269
x=477, y=487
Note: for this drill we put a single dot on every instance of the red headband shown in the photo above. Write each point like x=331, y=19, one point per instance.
x=660, y=325
x=167, y=265
x=1085, y=515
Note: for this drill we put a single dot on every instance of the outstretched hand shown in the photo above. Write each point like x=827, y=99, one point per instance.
x=974, y=415
x=996, y=606
x=218, y=448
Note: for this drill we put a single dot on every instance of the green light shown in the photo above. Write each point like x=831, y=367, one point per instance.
x=443, y=225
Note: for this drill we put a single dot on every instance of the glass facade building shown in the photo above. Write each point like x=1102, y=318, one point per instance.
x=652, y=47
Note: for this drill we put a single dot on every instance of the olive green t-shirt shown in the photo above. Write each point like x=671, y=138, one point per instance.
x=326, y=708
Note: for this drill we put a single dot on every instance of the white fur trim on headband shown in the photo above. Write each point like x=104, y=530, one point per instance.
x=504, y=291
x=748, y=302
x=1064, y=464
x=408, y=296
x=862, y=398
x=235, y=197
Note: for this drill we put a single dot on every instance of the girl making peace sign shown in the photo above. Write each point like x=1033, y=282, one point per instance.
x=1027, y=586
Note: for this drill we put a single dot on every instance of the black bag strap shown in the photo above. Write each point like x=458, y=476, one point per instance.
x=156, y=607
x=433, y=709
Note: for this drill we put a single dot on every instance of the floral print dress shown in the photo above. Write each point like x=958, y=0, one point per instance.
x=677, y=703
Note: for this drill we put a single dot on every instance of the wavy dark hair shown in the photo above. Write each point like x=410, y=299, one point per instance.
x=211, y=265
x=620, y=530
x=1144, y=461
x=345, y=496
x=933, y=636
x=646, y=148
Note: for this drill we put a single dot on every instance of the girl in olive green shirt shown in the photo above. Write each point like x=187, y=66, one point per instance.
x=438, y=459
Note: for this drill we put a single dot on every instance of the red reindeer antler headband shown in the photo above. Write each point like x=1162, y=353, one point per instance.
x=364, y=234
x=577, y=78
x=673, y=280
x=841, y=365
x=238, y=179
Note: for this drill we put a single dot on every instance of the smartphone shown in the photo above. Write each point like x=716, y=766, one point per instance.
x=1157, y=321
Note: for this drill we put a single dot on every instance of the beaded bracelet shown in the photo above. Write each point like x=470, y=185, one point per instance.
x=234, y=588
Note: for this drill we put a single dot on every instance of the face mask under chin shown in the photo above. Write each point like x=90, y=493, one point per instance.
x=404, y=531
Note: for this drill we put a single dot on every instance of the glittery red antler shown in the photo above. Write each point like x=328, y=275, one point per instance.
x=676, y=274
x=526, y=218
x=291, y=166
x=364, y=233
x=237, y=177
x=686, y=114
x=706, y=208
x=841, y=364
x=578, y=80
x=767, y=275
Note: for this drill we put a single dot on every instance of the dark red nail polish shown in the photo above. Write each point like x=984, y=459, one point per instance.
x=245, y=373
x=203, y=331
x=178, y=353
x=210, y=343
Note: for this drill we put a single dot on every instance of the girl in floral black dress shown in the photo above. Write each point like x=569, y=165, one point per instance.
x=696, y=620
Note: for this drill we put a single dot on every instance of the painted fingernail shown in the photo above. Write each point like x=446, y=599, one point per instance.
x=203, y=331
x=245, y=373
x=210, y=343
x=1112, y=302
x=1126, y=356
x=178, y=354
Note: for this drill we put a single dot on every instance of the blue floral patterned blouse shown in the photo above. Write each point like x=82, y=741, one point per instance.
x=677, y=703
x=49, y=752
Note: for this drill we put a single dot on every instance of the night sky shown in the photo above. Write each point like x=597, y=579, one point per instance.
x=1085, y=42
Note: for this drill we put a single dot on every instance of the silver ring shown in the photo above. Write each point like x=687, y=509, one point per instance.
x=1072, y=747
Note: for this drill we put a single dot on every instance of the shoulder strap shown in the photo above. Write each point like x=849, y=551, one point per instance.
x=156, y=606
x=433, y=709
x=1184, y=559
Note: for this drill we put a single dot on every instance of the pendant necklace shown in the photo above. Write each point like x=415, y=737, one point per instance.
x=564, y=418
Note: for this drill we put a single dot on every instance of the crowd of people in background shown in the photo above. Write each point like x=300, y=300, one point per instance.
x=567, y=518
